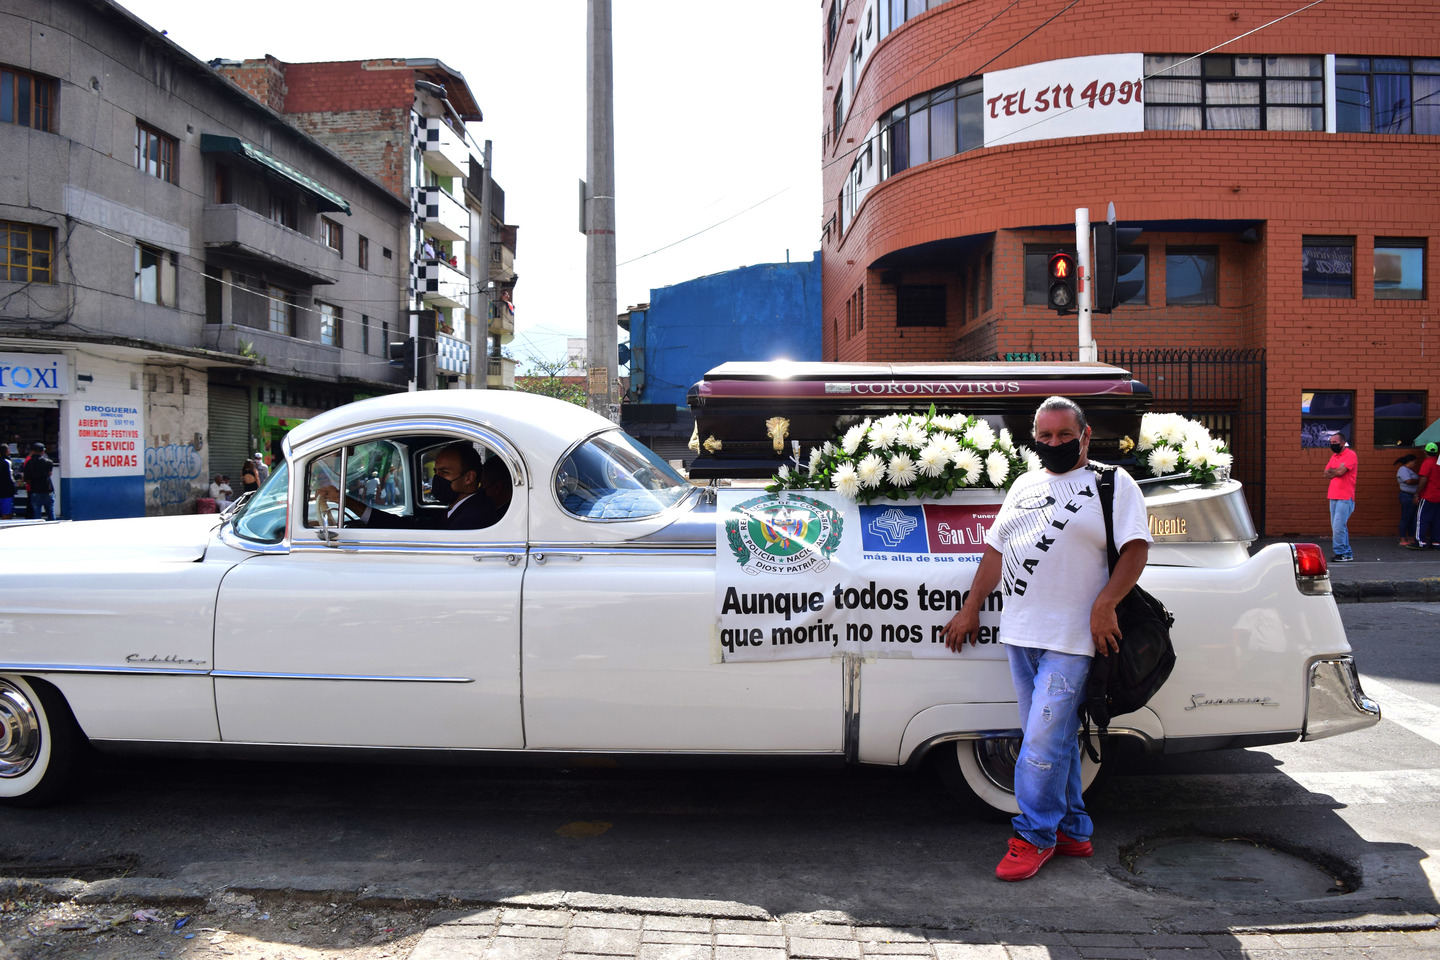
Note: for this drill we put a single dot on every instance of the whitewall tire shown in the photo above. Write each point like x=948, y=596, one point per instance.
x=41, y=747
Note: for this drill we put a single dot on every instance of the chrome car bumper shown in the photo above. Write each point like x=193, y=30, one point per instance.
x=1334, y=702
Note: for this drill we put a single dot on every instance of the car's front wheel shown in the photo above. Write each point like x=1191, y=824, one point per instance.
x=984, y=770
x=41, y=747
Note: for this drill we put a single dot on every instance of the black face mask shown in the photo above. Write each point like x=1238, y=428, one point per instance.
x=1061, y=458
x=441, y=490
x=1337, y=447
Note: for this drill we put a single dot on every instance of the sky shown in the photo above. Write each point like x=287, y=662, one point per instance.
x=717, y=116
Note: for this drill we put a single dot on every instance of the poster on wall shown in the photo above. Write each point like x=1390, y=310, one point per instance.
x=31, y=375
x=810, y=574
x=105, y=458
x=1074, y=97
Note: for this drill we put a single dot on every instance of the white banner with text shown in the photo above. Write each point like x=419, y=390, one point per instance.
x=1074, y=97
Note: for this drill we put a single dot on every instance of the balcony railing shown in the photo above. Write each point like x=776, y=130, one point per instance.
x=452, y=355
x=439, y=283
x=442, y=148
x=441, y=215
x=243, y=233
x=502, y=373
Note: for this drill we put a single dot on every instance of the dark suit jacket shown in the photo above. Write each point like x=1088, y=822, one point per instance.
x=474, y=512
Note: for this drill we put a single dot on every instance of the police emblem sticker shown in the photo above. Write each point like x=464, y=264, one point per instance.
x=783, y=533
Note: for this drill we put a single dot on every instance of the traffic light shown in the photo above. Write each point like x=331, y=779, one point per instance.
x=1062, y=297
x=402, y=355
x=1111, y=264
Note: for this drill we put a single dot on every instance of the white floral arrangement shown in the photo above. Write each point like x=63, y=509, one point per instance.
x=906, y=455
x=1174, y=447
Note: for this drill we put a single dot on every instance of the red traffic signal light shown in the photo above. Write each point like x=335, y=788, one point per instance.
x=1062, y=298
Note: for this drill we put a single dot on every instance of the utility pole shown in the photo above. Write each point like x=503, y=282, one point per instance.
x=1084, y=280
x=601, y=340
x=480, y=332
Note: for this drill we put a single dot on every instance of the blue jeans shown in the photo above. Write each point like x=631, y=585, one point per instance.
x=1340, y=511
x=1408, y=510
x=1050, y=687
x=42, y=502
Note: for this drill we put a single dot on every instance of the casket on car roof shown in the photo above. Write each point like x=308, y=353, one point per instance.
x=750, y=417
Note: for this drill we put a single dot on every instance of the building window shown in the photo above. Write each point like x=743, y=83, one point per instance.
x=1323, y=412
x=1400, y=269
x=26, y=99
x=1224, y=92
x=987, y=283
x=832, y=26
x=932, y=126
x=1190, y=275
x=920, y=306
x=837, y=114
x=362, y=253
x=1387, y=95
x=332, y=235
x=154, y=275
x=1327, y=267
x=26, y=253
x=1037, y=272
x=329, y=323
x=1399, y=417
x=155, y=152
x=222, y=184
x=282, y=211
x=281, y=311
x=860, y=308
x=364, y=333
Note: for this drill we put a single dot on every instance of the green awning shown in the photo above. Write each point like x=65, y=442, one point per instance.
x=325, y=198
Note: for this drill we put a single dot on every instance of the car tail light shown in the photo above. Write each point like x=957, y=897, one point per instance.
x=1312, y=575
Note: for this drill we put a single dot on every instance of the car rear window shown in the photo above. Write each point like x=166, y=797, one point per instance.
x=612, y=476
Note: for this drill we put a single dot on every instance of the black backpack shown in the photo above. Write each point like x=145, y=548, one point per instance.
x=1124, y=682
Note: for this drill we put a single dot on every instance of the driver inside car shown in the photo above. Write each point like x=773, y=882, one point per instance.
x=456, y=483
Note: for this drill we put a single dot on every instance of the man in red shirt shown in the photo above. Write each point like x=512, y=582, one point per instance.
x=1427, y=495
x=1341, y=471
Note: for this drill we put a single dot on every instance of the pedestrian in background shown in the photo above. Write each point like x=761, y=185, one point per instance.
x=1427, y=499
x=249, y=479
x=37, y=470
x=7, y=489
x=1409, y=482
x=261, y=470
x=1341, y=471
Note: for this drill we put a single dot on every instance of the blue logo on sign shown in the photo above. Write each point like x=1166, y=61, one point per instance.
x=893, y=529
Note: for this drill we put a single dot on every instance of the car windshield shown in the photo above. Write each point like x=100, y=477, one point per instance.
x=614, y=477
x=262, y=517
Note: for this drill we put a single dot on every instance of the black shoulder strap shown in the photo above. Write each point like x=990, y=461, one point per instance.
x=1106, y=485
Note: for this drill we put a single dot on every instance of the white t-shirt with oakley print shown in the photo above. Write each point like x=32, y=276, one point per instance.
x=1051, y=535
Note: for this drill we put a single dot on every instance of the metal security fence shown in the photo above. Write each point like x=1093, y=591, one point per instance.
x=1223, y=389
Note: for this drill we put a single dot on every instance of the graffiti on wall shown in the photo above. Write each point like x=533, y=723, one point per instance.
x=170, y=471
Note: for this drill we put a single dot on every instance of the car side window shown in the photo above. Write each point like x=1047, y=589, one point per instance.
x=373, y=477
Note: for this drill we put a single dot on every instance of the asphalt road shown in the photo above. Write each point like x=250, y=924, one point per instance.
x=875, y=846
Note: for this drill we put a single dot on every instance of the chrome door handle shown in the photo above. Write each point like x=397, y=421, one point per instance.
x=542, y=557
x=509, y=558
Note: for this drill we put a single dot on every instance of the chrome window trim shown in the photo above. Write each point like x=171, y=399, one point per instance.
x=411, y=547
x=623, y=548
x=674, y=508
x=378, y=678
x=43, y=668
x=230, y=538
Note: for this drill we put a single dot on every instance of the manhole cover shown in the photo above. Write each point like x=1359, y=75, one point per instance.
x=1230, y=869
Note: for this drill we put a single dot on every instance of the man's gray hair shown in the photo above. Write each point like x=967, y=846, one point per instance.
x=1060, y=403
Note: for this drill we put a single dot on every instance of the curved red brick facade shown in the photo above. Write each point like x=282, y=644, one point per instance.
x=1200, y=188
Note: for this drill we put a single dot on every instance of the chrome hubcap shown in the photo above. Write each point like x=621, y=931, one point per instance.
x=19, y=732
x=997, y=759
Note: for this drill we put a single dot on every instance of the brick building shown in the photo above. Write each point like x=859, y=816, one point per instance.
x=1285, y=182
x=402, y=121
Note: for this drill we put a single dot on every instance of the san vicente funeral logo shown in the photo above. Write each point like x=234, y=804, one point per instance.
x=783, y=533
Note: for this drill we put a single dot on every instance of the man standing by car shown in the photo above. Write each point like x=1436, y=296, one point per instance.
x=1341, y=471
x=1048, y=546
x=37, y=470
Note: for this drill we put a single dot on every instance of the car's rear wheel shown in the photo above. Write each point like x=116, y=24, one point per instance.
x=984, y=771
x=42, y=750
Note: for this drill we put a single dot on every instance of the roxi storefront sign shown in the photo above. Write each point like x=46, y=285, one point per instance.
x=34, y=374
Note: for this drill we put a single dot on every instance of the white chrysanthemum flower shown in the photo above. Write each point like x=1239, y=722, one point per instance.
x=1172, y=429
x=1032, y=460
x=997, y=468
x=847, y=483
x=901, y=470
x=912, y=435
x=882, y=435
x=871, y=471
x=933, y=459
x=1221, y=458
x=1147, y=439
x=829, y=449
x=948, y=444
x=1197, y=455
x=853, y=438
x=981, y=434
x=968, y=462
x=1162, y=460
x=784, y=472
x=891, y=420
x=942, y=421
x=1006, y=442
x=816, y=456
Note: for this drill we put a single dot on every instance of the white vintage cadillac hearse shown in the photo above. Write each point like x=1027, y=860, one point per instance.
x=583, y=620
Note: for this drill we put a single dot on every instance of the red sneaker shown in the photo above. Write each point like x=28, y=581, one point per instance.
x=1067, y=847
x=1023, y=860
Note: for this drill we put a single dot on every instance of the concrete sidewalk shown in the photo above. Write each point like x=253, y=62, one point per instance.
x=1381, y=571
